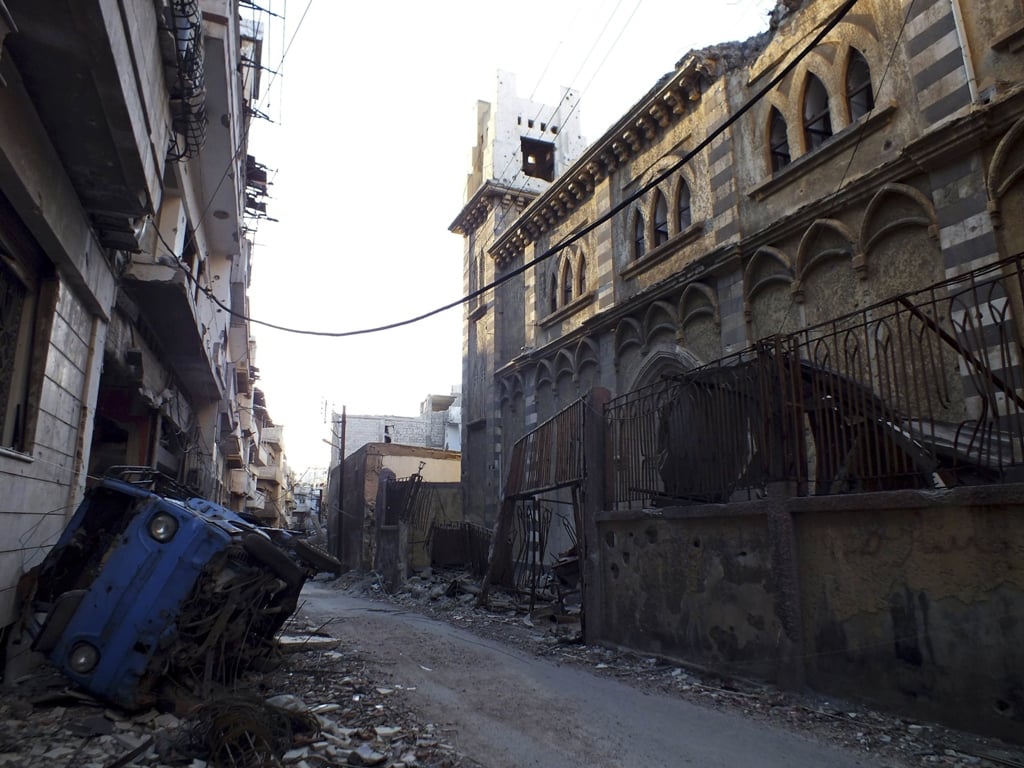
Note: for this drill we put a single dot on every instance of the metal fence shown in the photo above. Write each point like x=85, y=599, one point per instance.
x=551, y=456
x=921, y=391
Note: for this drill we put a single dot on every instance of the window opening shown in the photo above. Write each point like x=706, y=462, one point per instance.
x=553, y=297
x=639, y=240
x=581, y=276
x=566, y=283
x=817, y=123
x=684, y=216
x=778, y=141
x=660, y=219
x=859, y=97
x=19, y=297
x=538, y=159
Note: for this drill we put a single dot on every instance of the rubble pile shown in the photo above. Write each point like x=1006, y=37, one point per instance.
x=319, y=708
x=553, y=631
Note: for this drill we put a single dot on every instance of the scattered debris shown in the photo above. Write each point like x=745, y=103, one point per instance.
x=551, y=631
x=151, y=596
x=321, y=707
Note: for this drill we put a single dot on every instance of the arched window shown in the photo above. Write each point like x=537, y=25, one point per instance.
x=660, y=219
x=553, y=293
x=859, y=98
x=817, y=123
x=639, y=235
x=566, y=282
x=581, y=276
x=778, y=140
x=684, y=216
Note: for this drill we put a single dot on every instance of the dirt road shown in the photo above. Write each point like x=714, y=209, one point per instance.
x=507, y=709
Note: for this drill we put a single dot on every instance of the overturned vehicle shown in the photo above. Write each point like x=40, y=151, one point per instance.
x=151, y=597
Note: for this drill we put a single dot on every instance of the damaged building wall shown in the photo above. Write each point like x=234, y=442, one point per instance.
x=59, y=290
x=696, y=584
x=899, y=183
x=883, y=161
x=905, y=599
x=914, y=601
x=353, y=524
x=104, y=194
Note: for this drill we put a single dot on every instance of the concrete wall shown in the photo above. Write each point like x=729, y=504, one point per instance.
x=906, y=599
x=40, y=489
x=42, y=481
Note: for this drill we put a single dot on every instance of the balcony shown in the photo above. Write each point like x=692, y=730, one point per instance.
x=274, y=436
x=233, y=448
x=94, y=73
x=166, y=300
x=239, y=351
x=242, y=483
x=273, y=474
x=256, y=502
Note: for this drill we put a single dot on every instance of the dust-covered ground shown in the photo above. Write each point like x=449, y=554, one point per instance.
x=424, y=677
x=880, y=738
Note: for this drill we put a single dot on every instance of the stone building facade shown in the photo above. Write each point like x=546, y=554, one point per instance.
x=711, y=215
x=512, y=135
x=124, y=265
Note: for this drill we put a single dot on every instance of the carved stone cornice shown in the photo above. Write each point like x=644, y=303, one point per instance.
x=483, y=202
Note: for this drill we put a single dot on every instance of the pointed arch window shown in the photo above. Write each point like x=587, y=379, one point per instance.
x=817, y=122
x=581, y=276
x=660, y=219
x=859, y=98
x=778, y=140
x=684, y=216
x=566, y=282
x=553, y=293
x=639, y=234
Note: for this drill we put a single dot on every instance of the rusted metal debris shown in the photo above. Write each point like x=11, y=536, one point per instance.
x=239, y=731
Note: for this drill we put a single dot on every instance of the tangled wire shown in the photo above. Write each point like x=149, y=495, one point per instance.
x=237, y=731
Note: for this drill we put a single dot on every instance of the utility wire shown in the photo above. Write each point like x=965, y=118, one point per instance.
x=837, y=16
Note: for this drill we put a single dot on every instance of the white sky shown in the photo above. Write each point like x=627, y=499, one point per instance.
x=373, y=122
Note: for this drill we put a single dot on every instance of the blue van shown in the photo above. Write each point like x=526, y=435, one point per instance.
x=153, y=598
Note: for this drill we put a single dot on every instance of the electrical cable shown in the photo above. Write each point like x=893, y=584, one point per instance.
x=829, y=25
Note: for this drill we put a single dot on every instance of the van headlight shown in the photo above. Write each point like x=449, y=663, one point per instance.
x=83, y=658
x=163, y=526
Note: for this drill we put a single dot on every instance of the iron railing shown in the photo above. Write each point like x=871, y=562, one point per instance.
x=549, y=457
x=921, y=391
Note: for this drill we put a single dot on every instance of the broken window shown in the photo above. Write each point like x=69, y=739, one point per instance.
x=817, y=123
x=639, y=235
x=538, y=159
x=684, y=216
x=20, y=295
x=660, y=219
x=859, y=98
x=778, y=140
